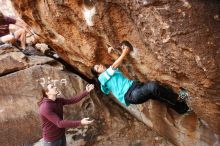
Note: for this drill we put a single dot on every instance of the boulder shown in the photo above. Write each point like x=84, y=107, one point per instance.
x=21, y=86
x=175, y=42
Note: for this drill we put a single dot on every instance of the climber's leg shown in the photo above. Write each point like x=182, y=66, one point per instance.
x=7, y=38
x=156, y=91
x=180, y=107
x=141, y=93
x=20, y=35
x=168, y=96
x=165, y=94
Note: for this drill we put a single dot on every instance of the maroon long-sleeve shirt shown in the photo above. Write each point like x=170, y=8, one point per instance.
x=51, y=115
x=4, y=25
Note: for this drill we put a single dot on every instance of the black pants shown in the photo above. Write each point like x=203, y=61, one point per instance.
x=59, y=142
x=141, y=92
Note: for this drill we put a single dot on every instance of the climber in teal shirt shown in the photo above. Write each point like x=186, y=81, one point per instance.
x=113, y=80
x=128, y=91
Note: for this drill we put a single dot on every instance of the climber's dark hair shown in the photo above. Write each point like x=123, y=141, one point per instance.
x=127, y=43
x=94, y=72
x=44, y=95
x=95, y=80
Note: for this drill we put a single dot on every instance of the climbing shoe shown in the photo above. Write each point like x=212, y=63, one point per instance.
x=183, y=94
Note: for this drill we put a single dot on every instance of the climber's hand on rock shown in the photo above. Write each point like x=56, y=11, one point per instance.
x=110, y=48
x=86, y=121
x=89, y=87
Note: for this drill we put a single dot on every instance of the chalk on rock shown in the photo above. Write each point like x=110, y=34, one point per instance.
x=88, y=15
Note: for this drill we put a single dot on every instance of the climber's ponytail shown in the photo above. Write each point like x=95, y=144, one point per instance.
x=44, y=95
x=95, y=79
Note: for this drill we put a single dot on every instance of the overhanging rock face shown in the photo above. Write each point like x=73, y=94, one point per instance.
x=176, y=42
x=21, y=81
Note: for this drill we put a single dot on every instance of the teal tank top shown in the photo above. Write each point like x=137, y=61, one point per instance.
x=112, y=80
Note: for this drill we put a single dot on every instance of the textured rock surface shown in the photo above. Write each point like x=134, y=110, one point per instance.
x=176, y=42
x=19, y=90
x=21, y=80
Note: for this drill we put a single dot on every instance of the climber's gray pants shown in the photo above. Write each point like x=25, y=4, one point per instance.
x=141, y=92
x=59, y=142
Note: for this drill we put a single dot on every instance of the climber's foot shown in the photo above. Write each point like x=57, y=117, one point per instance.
x=183, y=94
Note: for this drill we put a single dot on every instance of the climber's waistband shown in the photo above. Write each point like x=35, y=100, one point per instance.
x=134, y=85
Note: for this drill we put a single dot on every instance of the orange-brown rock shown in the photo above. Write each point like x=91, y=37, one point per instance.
x=176, y=42
x=21, y=81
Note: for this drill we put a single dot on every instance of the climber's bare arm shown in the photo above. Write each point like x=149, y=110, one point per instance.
x=120, y=59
